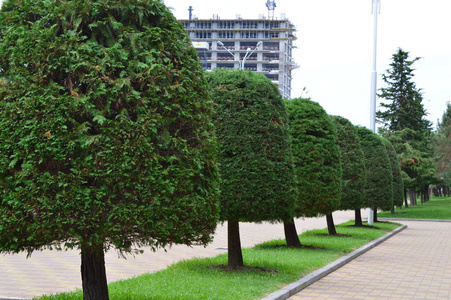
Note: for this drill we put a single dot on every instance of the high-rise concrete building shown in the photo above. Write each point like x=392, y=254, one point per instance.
x=262, y=45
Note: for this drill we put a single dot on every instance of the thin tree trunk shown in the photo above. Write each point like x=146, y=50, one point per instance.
x=375, y=215
x=330, y=224
x=235, y=255
x=93, y=273
x=358, y=218
x=413, y=197
x=392, y=211
x=422, y=195
x=291, y=235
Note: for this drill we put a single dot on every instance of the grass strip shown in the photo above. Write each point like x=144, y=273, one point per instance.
x=194, y=279
x=438, y=208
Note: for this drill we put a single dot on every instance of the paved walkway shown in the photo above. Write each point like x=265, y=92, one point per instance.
x=414, y=264
x=49, y=272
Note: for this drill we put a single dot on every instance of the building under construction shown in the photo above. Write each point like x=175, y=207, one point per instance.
x=262, y=45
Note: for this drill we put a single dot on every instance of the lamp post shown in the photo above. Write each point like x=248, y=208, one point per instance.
x=249, y=53
x=375, y=10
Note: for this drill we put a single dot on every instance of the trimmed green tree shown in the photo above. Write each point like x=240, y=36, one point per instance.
x=256, y=164
x=317, y=163
x=354, y=171
x=398, y=185
x=106, y=135
x=379, y=183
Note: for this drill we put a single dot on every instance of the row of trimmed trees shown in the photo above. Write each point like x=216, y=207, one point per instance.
x=107, y=139
x=280, y=160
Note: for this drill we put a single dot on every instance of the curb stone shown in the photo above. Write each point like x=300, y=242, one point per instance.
x=407, y=219
x=307, y=280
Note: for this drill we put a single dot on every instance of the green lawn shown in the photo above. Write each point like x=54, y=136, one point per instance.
x=438, y=208
x=194, y=279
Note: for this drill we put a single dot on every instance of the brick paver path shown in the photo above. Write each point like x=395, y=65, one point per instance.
x=414, y=264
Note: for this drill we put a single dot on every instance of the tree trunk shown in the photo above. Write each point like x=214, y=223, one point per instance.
x=291, y=235
x=413, y=197
x=93, y=273
x=330, y=224
x=375, y=215
x=235, y=255
x=392, y=211
x=358, y=218
x=427, y=193
x=422, y=195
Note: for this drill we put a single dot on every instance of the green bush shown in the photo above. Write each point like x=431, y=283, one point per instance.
x=316, y=157
x=353, y=164
x=106, y=138
x=379, y=184
x=256, y=164
x=398, y=184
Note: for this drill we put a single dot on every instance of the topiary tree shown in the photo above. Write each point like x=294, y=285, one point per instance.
x=106, y=138
x=317, y=163
x=379, y=184
x=353, y=164
x=256, y=164
x=398, y=185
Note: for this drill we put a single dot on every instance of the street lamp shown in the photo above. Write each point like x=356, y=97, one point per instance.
x=376, y=9
x=249, y=53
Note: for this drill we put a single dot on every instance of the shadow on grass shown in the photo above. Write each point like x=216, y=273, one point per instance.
x=241, y=269
x=337, y=235
x=284, y=246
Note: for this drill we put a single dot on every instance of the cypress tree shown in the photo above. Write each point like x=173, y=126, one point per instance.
x=106, y=137
x=379, y=184
x=256, y=164
x=398, y=185
x=353, y=164
x=317, y=160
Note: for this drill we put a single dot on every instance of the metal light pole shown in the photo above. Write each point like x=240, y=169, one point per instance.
x=223, y=47
x=249, y=53
x=375, y=10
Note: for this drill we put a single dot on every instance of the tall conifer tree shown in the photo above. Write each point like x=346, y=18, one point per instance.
x=402, y=105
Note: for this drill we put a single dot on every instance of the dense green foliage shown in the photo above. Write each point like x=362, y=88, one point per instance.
x=256, y=164
x=442, y=148
x=353, y=165
x=106, y=137
x=405, y=126
x=398, y=185
x=379, y=183
x=316, y=156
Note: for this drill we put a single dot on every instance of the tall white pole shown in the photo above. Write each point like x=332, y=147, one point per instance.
x=375, y=11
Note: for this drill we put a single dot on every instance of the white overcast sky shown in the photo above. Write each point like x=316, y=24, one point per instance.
x=335, y=47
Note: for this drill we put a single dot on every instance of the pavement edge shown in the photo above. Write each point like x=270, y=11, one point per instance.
x=307, y=280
